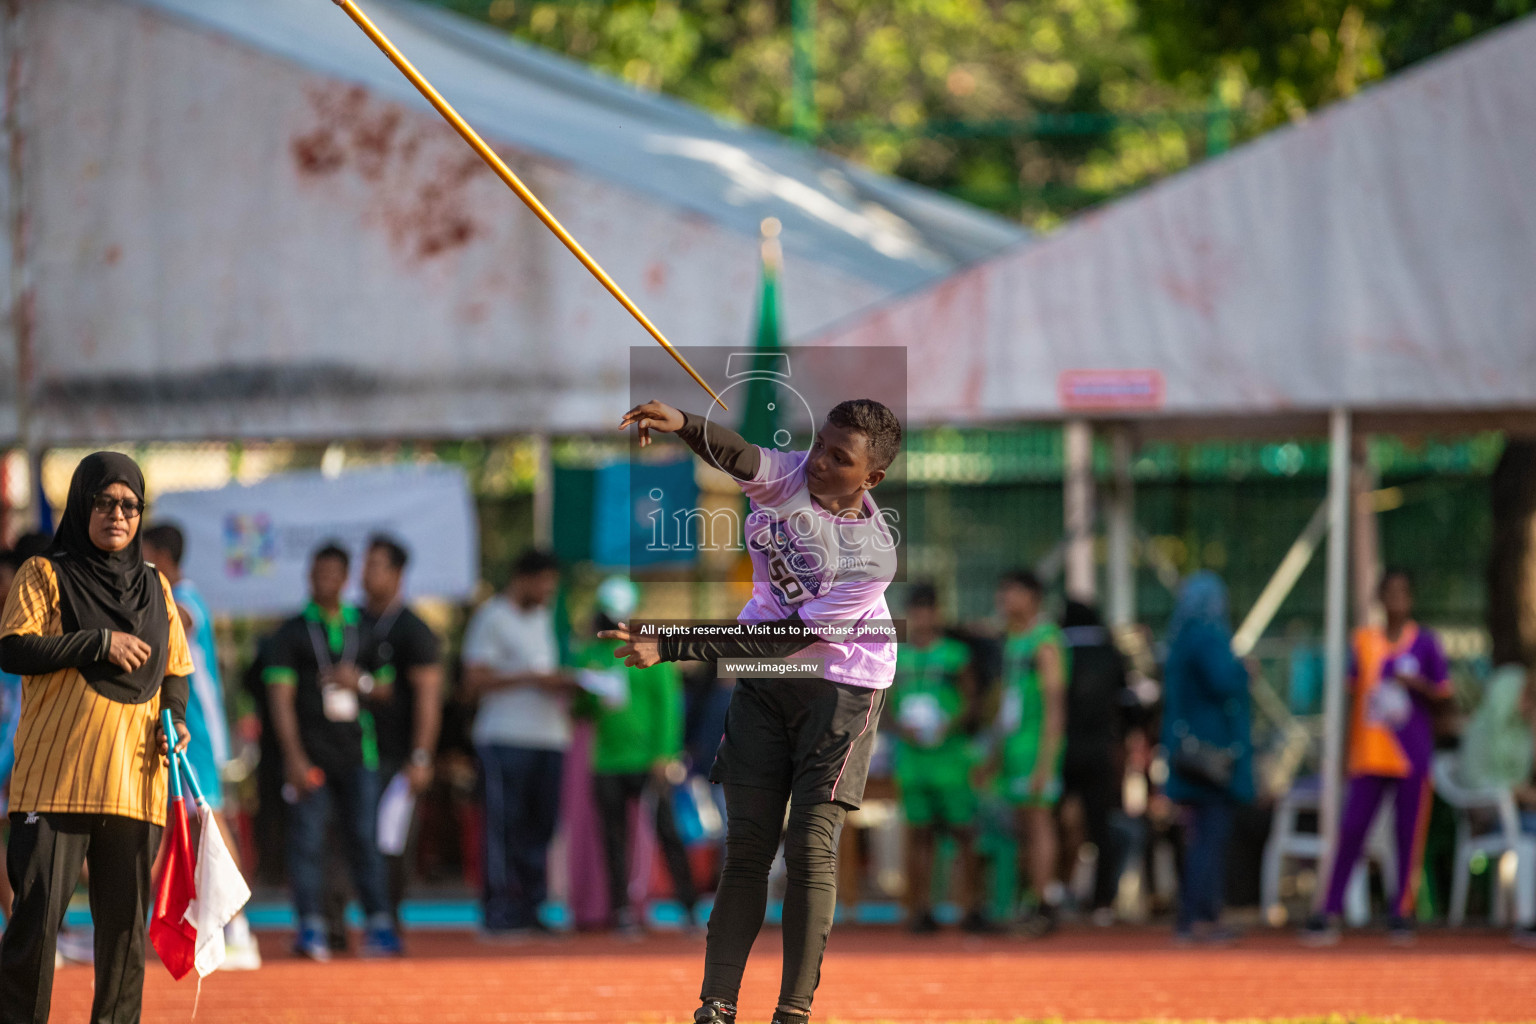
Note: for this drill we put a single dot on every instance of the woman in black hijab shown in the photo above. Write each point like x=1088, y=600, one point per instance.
x=93, y=630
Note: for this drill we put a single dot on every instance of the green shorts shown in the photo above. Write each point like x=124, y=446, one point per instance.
x=926, y=804
x=1019, y=763
x=1015, y=790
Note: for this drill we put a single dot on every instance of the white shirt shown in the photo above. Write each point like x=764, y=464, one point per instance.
x=510, y=641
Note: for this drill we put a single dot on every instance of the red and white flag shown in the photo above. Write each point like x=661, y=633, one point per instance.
x=221, y=894
x=173, y=937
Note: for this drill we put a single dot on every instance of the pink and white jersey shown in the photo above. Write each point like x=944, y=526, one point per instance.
x=832, y=570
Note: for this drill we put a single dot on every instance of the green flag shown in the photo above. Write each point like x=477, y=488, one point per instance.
x=760, y=418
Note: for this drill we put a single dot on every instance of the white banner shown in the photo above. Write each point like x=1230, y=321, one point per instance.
x=248, y=548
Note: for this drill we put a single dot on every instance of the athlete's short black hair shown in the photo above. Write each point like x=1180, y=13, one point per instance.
x=1022, y=578
x=393, y=550
x=923, y=595
x=168, y=538
x=533, y=562
x=880, y=427
x=332, y=549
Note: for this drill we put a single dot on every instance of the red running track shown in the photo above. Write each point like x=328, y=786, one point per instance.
x=870, y=975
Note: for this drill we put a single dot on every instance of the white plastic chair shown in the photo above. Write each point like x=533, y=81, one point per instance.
x=1487, y=824
x=1288, y=842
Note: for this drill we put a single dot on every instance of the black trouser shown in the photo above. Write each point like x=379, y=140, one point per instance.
x=613, y=794
x=755, y=819
x=43, y=861
x=338, y=878
x=1093, y=779
x=397, y=867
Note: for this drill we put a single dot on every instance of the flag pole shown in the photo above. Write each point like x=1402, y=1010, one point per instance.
x=171, y=738
x=514, y=183
x=197, y=791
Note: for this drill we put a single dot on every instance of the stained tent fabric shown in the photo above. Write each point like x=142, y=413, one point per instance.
x=241, y=221
x=1378, y=257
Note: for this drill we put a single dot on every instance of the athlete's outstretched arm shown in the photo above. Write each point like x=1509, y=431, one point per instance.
x=715, y=444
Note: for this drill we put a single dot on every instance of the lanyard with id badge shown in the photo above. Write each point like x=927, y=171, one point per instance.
x=339, y=703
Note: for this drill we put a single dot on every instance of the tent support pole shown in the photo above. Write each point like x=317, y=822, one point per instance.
x=1279, y=586
x=1120, y=515
x=1336, y=612
x=1078, y=501
x=1366, y=546
x=543, y=494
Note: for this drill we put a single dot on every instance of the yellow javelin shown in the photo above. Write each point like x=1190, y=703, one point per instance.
x=514, y=183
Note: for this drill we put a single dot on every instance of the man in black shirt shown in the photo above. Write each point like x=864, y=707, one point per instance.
x=409, y=717
x=322, y=666
x=1093, y=769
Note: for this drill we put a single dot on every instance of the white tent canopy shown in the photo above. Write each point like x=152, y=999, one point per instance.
x=234, y=218
x=1379, y=257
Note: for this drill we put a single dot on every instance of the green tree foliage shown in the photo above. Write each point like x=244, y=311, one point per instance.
x=1034, y=108
x=953, y=94
x=1278, y=59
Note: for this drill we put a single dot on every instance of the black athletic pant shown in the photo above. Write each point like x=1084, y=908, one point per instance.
x=43, y=861
x=755, y=820
x=398, y=868
x=613, y=794
x=1094, y=781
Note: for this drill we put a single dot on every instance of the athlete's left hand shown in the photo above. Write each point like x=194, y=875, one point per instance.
x=637, y=652
x=652, y=415
x=183, y=738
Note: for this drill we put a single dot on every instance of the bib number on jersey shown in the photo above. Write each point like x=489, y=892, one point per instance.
x=785, y=581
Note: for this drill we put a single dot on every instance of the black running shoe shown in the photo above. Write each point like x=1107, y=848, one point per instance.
x=923, y=924
x=715, y=1011
x=790, y=1017
x=1400, y=930
x=977, y=923
x=1042, y=922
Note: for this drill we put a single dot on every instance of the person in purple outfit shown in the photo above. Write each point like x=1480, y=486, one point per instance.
x=1399, y=674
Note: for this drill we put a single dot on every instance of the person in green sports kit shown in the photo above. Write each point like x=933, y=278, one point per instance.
x=932, y=706
x=637, y=746
x=1029, y=732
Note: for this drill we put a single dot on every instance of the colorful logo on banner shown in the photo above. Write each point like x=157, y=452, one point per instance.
x=1110, y=389
x=250, y=545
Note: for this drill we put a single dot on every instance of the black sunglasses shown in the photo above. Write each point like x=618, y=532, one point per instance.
x=107, y=505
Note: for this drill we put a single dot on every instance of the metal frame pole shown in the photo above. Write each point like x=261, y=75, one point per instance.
x=1120, y=516
x=802, y=90
x=1077, y=492
x=543, y=494
x=1336, y=611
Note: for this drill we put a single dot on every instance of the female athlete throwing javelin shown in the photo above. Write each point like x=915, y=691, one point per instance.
x=822, y=557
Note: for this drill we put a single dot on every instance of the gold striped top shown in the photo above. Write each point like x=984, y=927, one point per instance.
x=78, y=752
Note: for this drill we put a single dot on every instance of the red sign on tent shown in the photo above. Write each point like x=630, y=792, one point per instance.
x=1110, y=389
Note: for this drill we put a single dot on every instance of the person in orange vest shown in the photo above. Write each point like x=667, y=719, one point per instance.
x=1399, y=673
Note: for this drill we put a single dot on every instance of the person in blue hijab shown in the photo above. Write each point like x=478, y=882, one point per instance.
x=1208, y=740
